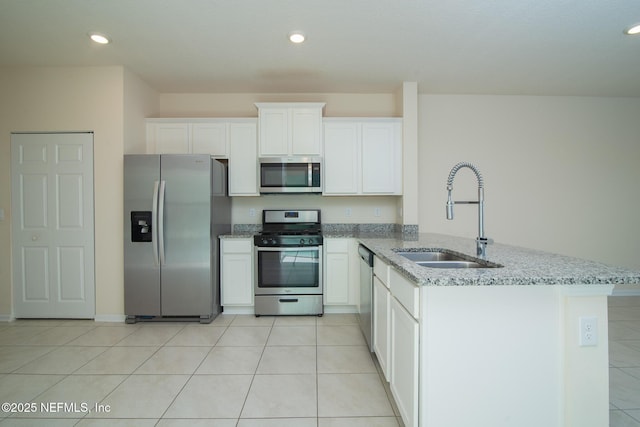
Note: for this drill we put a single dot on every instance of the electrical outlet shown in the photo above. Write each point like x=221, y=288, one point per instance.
x=252, y=212
x=376, y=211
x=347, y=212
x=588, y=331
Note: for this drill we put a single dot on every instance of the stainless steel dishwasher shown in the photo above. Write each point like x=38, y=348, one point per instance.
x=366, y=294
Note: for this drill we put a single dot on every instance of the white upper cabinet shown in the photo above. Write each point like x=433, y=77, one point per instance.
x=243, y=158
x=290, y=129
x=341, y=158
x=209, y=138
x=382, y=158
x=188, y=136
x=168, y=138
x=362, y=156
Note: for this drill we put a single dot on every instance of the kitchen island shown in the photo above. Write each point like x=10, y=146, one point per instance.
x=495, y=346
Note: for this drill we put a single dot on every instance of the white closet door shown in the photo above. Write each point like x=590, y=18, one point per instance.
x=52, y=225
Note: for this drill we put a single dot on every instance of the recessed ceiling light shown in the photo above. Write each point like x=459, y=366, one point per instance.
x=99, y=38
x=296, y=37
x=633, y=30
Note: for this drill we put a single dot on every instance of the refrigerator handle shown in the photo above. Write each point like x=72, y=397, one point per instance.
x=154, y=223
x=161, y=221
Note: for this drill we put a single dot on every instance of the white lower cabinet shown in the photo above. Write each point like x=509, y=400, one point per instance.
x=381, y=323
x=397, y=336
x=337, y=279
x=404, y=362
x=340, y=274
x=236, y=288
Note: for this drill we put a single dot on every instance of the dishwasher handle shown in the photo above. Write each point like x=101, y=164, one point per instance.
x=365, y=255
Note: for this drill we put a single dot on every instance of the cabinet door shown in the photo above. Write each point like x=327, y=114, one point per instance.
x=274, y=131
x=337, y=278
x=341, y=160
x=243, y=159
x=237, y=279
x=170, y=138
x=209, y=138
x=380, y=156
x=381, y=301
x=404, y=363
x=306, y=131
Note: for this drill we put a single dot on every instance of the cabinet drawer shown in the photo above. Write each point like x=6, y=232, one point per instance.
x=232, y=246
x=336, y=245
x=405, y=292
x=381, y=270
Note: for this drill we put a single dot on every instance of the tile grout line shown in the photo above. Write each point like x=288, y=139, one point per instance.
x=253, y=377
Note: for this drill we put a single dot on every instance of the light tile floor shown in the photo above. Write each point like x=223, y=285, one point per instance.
x=624, y=361
x=238, y=371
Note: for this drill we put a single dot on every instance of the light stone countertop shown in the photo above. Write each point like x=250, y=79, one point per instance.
x=521, y=266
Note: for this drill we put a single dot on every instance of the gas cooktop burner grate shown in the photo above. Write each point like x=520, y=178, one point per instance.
x=290, y=228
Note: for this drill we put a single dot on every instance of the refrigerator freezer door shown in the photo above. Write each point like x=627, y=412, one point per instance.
x=141, y=268
x=186, y=282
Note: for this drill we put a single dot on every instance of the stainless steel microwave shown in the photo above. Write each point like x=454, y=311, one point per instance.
x=290, y=175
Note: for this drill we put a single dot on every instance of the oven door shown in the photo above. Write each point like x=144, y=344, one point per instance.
x=288, y=270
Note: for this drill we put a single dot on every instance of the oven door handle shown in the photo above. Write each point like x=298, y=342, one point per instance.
x=288, y=300
x=290, y=249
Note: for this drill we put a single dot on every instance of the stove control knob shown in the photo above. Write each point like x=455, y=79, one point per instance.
x=302, y=241
x=265, y=241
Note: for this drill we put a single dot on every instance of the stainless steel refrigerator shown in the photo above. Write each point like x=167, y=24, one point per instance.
x=175, y=207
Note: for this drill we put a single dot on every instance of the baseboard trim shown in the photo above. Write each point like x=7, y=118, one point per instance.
x=238, y=310
x=110, y=318
x=340, y=309
x=7, y=318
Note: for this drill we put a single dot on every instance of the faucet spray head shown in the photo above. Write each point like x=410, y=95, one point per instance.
x=449, y=203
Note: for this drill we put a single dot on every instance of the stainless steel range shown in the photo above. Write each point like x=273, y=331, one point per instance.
x=289, y=263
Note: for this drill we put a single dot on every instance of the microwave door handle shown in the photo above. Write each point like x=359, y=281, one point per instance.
x=310, y=174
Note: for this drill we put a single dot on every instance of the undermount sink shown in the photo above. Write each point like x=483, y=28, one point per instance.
x=443, y=259
x=453, y=264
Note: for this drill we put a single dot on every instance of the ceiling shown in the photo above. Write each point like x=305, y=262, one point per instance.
x=531, y=47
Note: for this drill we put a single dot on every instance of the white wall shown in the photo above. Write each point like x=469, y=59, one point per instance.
x=140, y=102
x=561, y=173
x=69, y=99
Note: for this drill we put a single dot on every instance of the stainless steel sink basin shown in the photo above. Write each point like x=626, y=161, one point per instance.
x=443, y=259
x=453, y=264
x=424, y=256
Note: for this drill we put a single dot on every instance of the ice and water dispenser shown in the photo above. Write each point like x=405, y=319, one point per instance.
x=141, y=226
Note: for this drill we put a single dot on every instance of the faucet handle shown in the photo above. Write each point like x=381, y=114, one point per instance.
x=485, y=240
x=481, y=246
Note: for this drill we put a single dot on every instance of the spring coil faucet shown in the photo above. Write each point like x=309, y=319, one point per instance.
x=481, y=241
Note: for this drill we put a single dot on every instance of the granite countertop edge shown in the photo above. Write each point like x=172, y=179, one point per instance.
x=521, y=266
